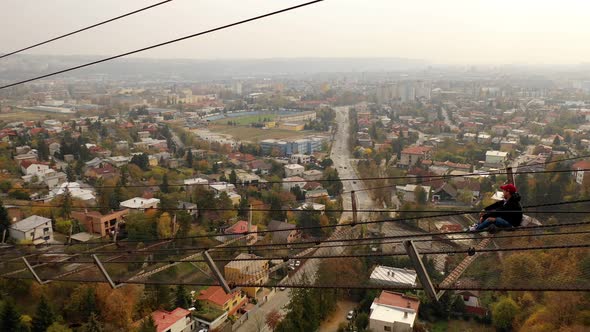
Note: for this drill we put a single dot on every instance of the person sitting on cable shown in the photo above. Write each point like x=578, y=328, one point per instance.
x=506, y=213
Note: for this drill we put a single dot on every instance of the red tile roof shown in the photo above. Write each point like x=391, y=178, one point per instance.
x=240, y=227
x=215, y=294
x=584, y=164
x=26, y=163
x=164, y=319
x=398, y=300
x=36, y=131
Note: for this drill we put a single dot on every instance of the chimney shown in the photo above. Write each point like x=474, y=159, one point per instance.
x=408, y=306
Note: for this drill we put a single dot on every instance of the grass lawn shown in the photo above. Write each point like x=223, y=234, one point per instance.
x=247, y=119
x=460, y=326
x=256, y=134
x=22, y=115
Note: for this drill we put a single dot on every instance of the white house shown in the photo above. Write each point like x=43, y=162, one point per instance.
x=580, y=169
x=393, y=276
x=32, y=169
x=393, y=312
x=496, y=157
x=177, y=320
x=34, y=228
x=301, y=159
x=75, y=190
x=220, y=187
x=294, y=170
x=292, y=182
x=118, y=161
x=140, y=204
x=408, y=192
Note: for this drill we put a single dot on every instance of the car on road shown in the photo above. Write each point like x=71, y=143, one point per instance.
x=282, y=288
x=350, y=315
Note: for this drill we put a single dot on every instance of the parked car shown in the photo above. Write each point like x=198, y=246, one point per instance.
x=297, y=263
x=282, y=288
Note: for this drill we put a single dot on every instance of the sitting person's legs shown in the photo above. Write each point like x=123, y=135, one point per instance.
x=499, y=222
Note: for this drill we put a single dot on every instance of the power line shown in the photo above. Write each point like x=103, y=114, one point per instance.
x=321, y=244
x=301, y=209
x=86, y=28
x=164, y=43
x=364, y=255
x=565, y=288
x=320, y=226
x=379, y=178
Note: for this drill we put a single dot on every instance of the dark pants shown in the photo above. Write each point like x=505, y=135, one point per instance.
x=499, y=222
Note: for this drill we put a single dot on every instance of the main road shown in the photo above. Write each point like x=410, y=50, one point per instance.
x=340, y=155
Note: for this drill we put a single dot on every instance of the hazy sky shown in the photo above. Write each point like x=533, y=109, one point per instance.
x=440, y=31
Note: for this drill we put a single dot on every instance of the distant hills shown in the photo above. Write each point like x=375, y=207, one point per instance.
x=23, y=66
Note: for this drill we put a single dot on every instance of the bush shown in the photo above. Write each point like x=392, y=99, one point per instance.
x=342, y=327
x=63, y=226
x=19, y=194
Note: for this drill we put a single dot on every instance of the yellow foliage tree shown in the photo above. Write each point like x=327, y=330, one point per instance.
x=165, y=225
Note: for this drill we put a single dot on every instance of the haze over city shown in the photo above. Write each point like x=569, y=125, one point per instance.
x=440, y=32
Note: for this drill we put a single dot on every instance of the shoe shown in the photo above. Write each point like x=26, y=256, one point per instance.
x=473, y=228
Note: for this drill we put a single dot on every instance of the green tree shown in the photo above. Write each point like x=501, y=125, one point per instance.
x=70, y=174
x=233, y=177
x=332, y=181
x=140, y=227
x=9, y=317
x=164, y=187
x=189, y=158
x=503, y=313
x=93, y=325
x=4, y=219
x=183, y=299
x=141, y=160
x=148, y=325
x=421, y=195
x=361, y=321
x=117, y=196
x=66, y=205
x=44, y=316
x=42, y=149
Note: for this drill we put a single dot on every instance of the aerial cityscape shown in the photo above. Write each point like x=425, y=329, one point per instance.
x=319, y=191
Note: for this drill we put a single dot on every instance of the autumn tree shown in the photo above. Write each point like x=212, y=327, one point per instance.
x=273, y=318
x=81, y=304
x=116, y=306
x=148, y=325
x=503, y=313
x=164, y=226
x=57, y=327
